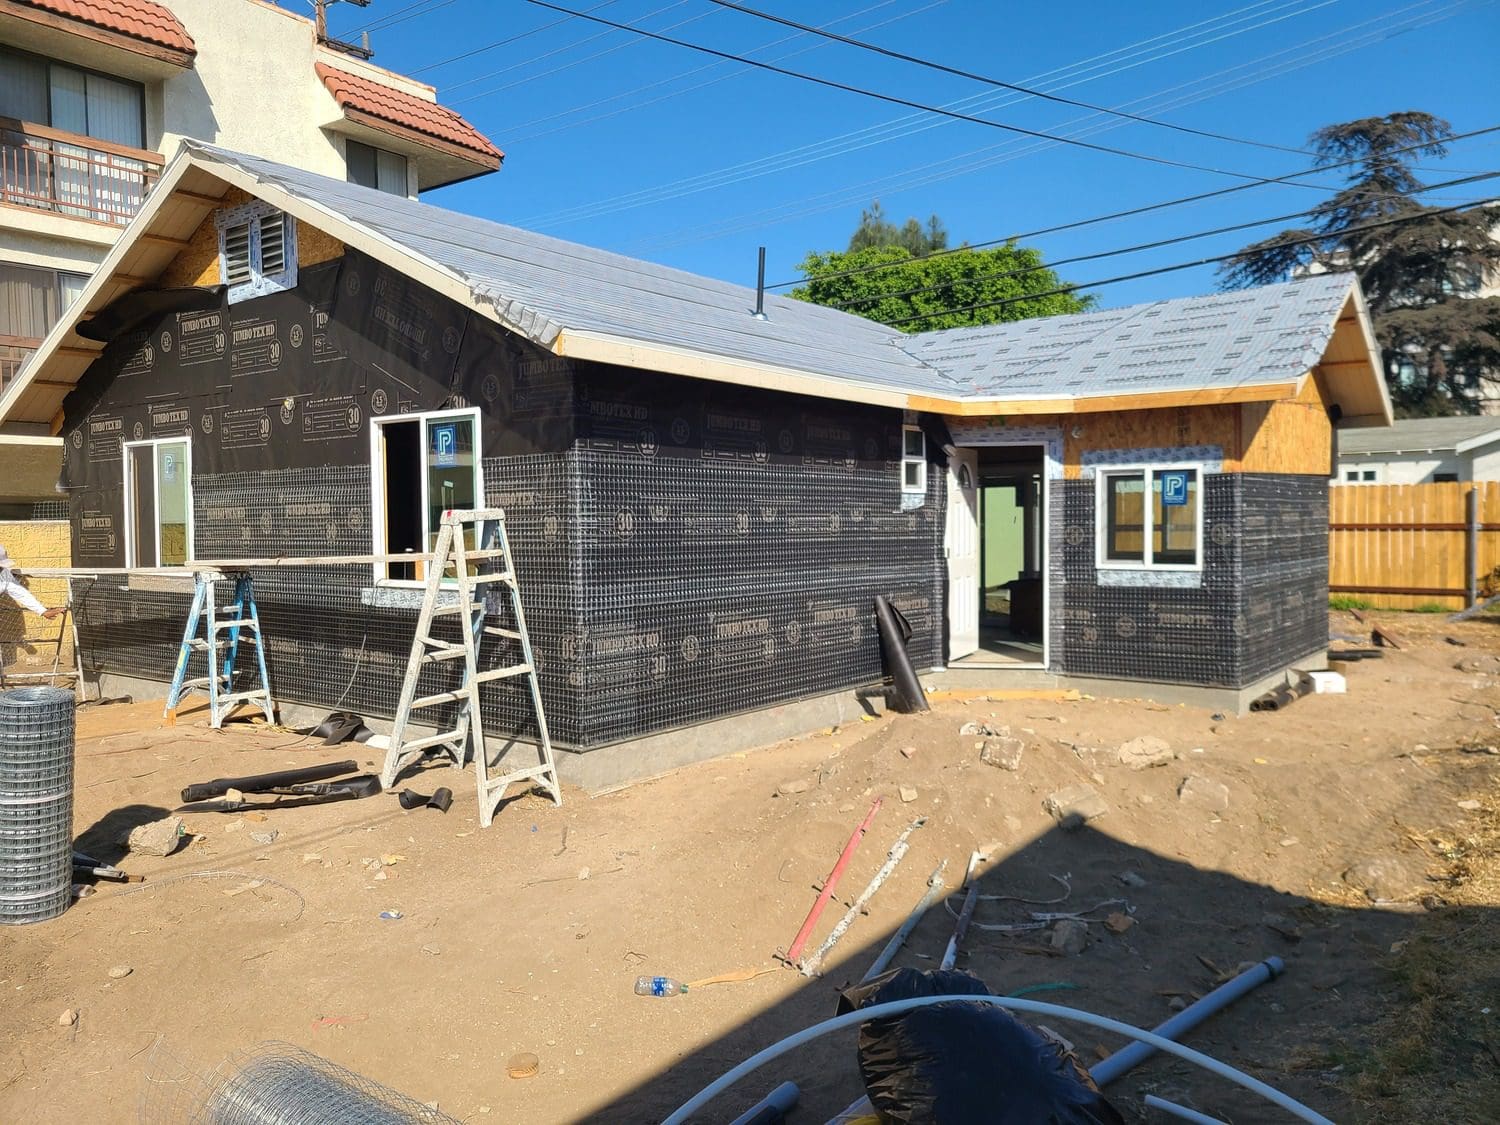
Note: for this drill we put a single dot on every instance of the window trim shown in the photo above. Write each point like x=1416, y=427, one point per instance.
x=185, y=440
x=920, y=460
x=1148, y=472
x=378, y=571
x=260, y=283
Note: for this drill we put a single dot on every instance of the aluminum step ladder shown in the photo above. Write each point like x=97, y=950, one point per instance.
x=242, y=624
x=459, y=578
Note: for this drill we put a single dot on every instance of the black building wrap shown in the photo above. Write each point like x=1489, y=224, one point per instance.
x=1258, y=606
x=686, y=550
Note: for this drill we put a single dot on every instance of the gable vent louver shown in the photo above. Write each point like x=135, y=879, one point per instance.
x=237, y=254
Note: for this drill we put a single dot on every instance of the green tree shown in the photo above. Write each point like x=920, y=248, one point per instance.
x=876, y=230
x=1440, y=342
x=919, y=294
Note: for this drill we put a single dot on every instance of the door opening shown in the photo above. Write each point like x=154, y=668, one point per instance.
x=1009, y=604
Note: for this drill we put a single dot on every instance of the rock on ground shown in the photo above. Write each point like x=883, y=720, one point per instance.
x=1069, y=935
x=1387, y=877
x=1144, y=752
x=1204, y=791
x=1075, y=805
x=159, y=837
x=1002, y=752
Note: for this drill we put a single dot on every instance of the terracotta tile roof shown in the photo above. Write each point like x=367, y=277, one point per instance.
x=139, y=19
x=406, y=110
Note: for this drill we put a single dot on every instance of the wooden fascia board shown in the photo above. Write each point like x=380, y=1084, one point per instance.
x=1362, y=311
x=417, y=137
x=67, y=24
x=621, y=352
x=1074, y=404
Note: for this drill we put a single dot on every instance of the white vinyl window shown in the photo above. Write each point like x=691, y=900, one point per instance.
x=257, y=250
x=913, y=460
x=1150, y=517
x=158, y=502
x=424, y=465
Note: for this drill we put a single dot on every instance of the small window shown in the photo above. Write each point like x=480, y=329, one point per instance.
x=1351, y=474
x=1150, y=517
x=257, y=250
x=1369, y=475
x=158, y=503
x=913, y=460
x=425, y=465
x=374, y=167
x=1445, y=478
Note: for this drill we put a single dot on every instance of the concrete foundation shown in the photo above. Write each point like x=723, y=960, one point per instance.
x=610, y=767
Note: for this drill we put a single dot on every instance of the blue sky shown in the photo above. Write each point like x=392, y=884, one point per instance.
x=660, y=152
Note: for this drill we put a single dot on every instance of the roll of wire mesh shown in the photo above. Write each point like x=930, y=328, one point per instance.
x=36, y=804
x=279, y=1084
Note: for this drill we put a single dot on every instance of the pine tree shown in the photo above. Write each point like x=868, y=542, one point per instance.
x=1440, y=342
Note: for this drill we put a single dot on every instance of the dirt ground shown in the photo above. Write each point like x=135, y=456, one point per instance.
x=528, y=936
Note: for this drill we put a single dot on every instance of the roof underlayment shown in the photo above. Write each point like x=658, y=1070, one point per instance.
x=1249, y=345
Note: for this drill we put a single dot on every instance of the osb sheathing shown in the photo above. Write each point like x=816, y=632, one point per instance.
x=1141, y=429
x=28, y=643
x=198, y=261
x=1294, y=436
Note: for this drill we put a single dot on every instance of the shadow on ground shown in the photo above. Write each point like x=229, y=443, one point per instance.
x=1191, y=928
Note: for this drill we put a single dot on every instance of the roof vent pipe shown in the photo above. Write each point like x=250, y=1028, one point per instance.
x=760, y=287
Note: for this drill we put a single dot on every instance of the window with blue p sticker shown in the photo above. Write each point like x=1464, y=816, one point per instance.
x=444, y=444
x=1174, y=488
x=169, y=466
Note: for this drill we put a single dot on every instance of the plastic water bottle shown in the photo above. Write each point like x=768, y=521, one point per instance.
x=658, y=986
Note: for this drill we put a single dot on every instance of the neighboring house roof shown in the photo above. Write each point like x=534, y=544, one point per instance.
x=1421, y=435
x=584, y=303
x=139, y=19
x=369, y=98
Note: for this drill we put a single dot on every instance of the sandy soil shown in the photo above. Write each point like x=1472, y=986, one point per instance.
x=528, y=936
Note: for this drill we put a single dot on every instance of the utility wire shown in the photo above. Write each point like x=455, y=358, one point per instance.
x=1002, y=274
x=1194, y=264
x=502, y=42
x=1117, y=60
x=895, y=100
x=1129, y=213
x=1027, y=90
x=391, y=19
x=1249, y=73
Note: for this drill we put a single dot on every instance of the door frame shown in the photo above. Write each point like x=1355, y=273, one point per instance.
x=979, y=433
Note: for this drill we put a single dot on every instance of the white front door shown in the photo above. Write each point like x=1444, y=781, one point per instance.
x=961, y=543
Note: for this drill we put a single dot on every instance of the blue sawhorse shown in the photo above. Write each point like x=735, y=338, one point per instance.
x=242, y=622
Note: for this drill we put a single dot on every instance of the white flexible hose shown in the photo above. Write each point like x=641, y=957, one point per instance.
x=1036, y=1007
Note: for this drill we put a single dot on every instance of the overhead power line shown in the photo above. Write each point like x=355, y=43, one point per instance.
x=1140, y=53
x=502, y=42
x=909, y=103
x=999, y=83
x=1000, y=275
x=1264, y=69
x=1126, y=214
x=1192, y=265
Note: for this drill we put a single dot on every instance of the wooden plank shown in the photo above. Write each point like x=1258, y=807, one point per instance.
x=1406, y=546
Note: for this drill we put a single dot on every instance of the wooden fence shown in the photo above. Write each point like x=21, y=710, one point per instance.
x=1405, y=546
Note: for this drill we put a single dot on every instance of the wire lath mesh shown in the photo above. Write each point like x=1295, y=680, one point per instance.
x=36, y=804
x=274, y=1084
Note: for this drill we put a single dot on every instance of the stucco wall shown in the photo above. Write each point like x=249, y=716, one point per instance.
x=26, y=640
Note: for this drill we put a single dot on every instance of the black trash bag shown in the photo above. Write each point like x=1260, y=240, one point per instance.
x=958, y=1063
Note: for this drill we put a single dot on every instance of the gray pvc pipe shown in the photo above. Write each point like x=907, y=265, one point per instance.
x=772, y=1108
x=1126, y=1058
x=1181, y=1111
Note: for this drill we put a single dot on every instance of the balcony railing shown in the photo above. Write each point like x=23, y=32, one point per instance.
x=68, y=174
x=14, y=352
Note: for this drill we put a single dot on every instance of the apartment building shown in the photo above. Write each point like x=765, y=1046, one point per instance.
x=97, y=95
